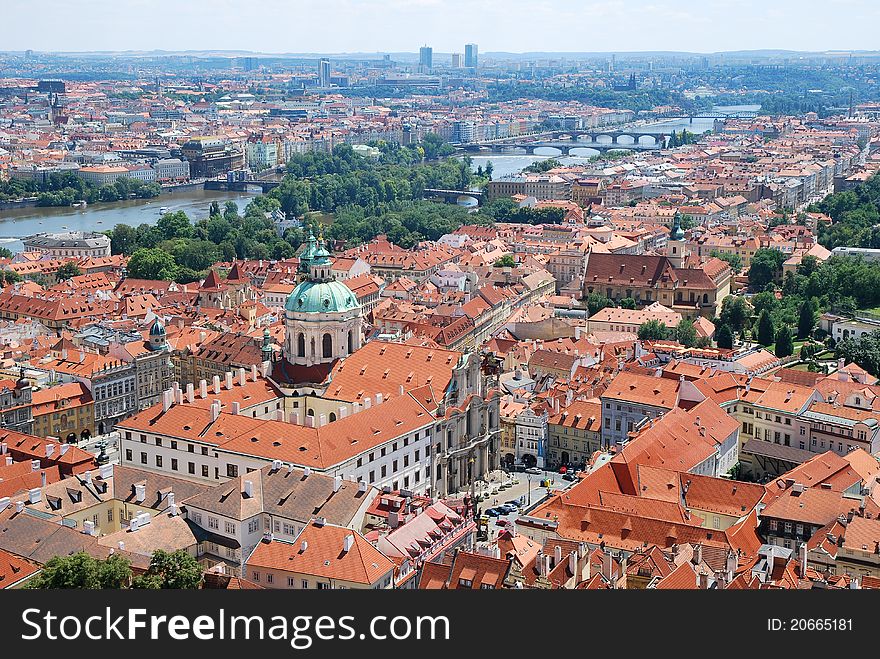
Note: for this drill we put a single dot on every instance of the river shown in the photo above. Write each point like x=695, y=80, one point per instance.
x=504, y=164
x=195, y=202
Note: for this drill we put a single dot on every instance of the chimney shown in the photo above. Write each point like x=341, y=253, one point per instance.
x=178, y=396
x=241, y=378
x=367, y=402
x=236, y=407
x=89, y=527
x=121, y=545
x=4, y=503
x=140, y=492
x=698, y=555
x=106, y=471
x=166, y=400
x=172, y=510
x=228, y=379
x=216, y=384
x=50, y=450
x=19, y=506
x=264, y=369
x=88, y=475
x=134, y=524
x=337, y=483
x=42, y=479
x=190, y=393
x=276, y=465
x=606, y=565
x=8, y=460
x=557, y=555
x=203, y=389
x=254, y=372
x=348, y=543
x=64, y=354
x=572, y=563
x=303, y=546
x=803, y=557
x=202, y=336
x=170, y=498
x=35, y=495
x=3, y=448
x=215, y=411
x=35, y=465
x=378, y=399
x=539, y=562
x=249, y=489
x=362, y=486
x=307, y=471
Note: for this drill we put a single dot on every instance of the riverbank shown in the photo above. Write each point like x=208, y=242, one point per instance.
x=17, y=223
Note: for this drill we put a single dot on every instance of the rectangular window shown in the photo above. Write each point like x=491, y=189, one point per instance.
x=291, y=582
x=158, y=460
x=232, y=471
x=384, y=470
x=128, y=455
x=372, y=477
x=174, y=464
x=269, y=578
x=158, y=441
x=230, y=528
x=173, y=445
x=204, y=471
x=191, y=467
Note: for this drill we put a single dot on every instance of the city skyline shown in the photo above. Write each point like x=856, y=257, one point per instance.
x=352, y=26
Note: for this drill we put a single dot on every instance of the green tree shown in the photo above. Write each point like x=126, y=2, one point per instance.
x=652, y=330
x=506, y=261
x=596, y=302
x=176, y=570
x=628, y=303
x=806, y=319
x=765, y=331
x=175, y=225
x=214, y=210
x=724, y=336
x=784, y=344
x=83, y=571
x=152, y=263
x=735, y=312
x=123, y=239
x=766, y=265
x=5, y=253
x=489, y=169
x=68, y=270
x=686, y=333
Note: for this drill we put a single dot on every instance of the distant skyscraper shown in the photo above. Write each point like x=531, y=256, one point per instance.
x=456, y=60
x=426, y=57
x=470, y=55
x=324, y=73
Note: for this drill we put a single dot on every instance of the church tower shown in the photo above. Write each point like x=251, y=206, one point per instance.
x=676, y=247
x=322, y=316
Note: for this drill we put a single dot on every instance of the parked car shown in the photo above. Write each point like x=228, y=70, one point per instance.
x=569, y=476
x=534, y=470
x=507, y=508
x=502, y=522
x=494, y=512
x=516, y=503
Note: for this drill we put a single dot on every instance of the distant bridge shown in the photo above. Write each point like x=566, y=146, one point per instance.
x=453, y=196
x=740, y=114
x=565, y=141
x=241, y=186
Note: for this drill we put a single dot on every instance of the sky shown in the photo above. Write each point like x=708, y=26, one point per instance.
x=374, y=26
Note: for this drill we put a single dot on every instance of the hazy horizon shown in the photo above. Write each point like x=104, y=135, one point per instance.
x=400, y=26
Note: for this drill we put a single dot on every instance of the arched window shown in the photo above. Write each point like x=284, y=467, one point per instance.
x=311, y=412
x=332, y=416
x=327, y=345
x=705, y=298
x=301, y=345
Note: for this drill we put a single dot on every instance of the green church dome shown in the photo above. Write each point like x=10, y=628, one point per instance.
x=321, y=297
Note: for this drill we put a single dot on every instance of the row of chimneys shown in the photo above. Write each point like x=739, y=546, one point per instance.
x=35, y=494
x=50, y=451
x=177, y=395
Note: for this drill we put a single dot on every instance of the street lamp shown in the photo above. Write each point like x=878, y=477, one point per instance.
x=529, y=478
